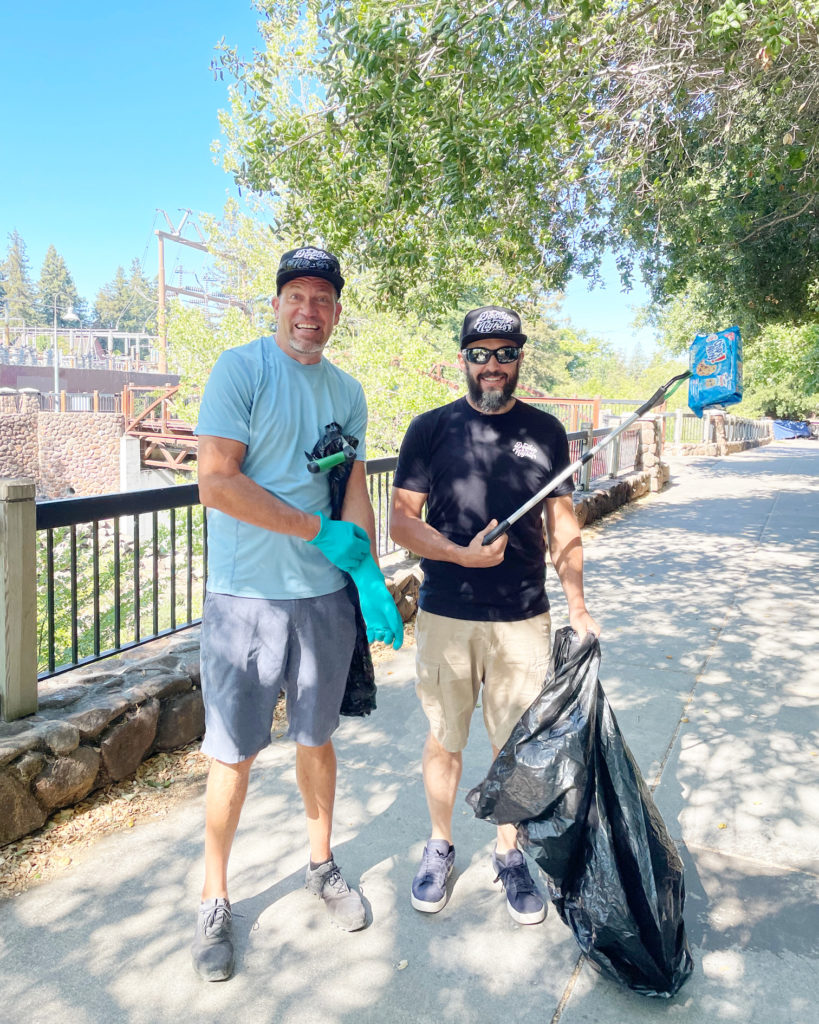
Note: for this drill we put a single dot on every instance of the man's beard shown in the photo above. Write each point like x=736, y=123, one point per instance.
x=495, y=398
x=308, y=347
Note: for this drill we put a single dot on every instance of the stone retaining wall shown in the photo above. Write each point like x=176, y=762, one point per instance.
x=64, y=453
x=609, y=495
x=18, y=445
x=717, y=448
x=95, y=725
x=79, y=452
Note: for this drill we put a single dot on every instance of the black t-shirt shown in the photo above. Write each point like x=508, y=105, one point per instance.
x=476, y=467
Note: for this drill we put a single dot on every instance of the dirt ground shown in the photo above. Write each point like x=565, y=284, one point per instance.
x=160, y=783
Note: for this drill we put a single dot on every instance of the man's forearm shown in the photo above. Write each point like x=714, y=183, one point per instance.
x=569, y=568
x=357, y=507
x=237, y=495
x=422, y=539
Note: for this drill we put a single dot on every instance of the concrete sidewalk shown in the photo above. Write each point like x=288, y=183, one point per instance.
x=709, y=599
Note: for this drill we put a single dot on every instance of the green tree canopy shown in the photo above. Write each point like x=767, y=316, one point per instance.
x=782, y=373
x=127, y=303
x=433, y=139
x=56, y=288
x=16, y=281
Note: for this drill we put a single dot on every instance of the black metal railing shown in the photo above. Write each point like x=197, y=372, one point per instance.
x=616, y=458
x=117, y=570
x=379, y=483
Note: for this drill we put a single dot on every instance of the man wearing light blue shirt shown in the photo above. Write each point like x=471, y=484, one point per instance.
x=277, y=614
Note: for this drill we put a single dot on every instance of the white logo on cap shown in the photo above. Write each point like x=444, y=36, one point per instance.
x=495, y=320
x=312, y=255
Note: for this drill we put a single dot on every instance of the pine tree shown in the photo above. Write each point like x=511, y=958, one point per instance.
x=127, y=303
x=16, y=282
x=56, y=285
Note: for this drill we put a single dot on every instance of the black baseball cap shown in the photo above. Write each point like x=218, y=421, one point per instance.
x=308, y=261
x=491, y=322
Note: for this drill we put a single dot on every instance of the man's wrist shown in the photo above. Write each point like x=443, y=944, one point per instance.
x=460, y=556
x=310, y=526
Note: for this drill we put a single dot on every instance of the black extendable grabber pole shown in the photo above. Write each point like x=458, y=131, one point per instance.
x=659, y=395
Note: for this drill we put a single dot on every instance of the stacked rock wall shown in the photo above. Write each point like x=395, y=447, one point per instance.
x=78, y=452
x=95, y=726
x=649, y=453
x=18, y=445
x=64, y=453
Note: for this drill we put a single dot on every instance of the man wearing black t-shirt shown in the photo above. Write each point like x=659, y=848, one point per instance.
x=483, y=614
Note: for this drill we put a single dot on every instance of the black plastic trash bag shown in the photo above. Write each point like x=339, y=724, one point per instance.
x=359, y=691
x=567, y=778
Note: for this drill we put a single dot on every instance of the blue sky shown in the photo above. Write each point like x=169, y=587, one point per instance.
x=109, y=112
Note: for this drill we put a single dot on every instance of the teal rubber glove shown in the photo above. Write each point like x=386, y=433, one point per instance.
x=345, y=544
x=382, y=618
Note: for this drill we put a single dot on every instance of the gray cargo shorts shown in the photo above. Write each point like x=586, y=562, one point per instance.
x=253, y=648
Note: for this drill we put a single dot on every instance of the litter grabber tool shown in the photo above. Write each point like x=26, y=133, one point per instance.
x=332, y=449
x=659, y=395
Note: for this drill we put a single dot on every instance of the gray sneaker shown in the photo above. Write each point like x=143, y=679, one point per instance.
x=429, y=892
x=343, y=903
x=523, y=901
x=212, y=946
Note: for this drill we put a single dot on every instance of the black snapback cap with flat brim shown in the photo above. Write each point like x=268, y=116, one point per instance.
x=492, y=322
x=309, y=261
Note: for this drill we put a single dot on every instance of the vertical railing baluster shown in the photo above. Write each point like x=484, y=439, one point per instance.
x=50, y=596
x=73, y=590
x=388, y=545
x=137, y=609
x=173, y=567
x=117, y=594
x=155, y=565
x=380, y=510
x=189, y=573
x=95, y=570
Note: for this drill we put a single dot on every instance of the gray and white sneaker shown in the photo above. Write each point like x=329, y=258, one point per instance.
x=523, y=901
x=212, y=947
x=343, y=903
x=429, y=891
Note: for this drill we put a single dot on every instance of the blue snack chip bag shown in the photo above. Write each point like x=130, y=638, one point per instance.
x=715, y=361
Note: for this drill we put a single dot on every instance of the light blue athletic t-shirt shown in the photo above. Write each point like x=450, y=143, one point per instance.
x=279, y=408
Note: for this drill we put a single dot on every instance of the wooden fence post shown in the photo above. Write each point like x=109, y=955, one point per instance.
x=18, y=599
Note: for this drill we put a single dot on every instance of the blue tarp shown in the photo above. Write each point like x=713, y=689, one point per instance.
x=790, y=428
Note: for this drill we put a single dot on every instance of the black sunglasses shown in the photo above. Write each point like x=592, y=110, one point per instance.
x=505, y=354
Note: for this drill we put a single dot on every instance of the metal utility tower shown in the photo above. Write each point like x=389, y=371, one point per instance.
x=165, y=289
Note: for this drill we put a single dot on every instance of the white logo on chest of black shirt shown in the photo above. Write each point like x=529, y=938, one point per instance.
x=524, y=450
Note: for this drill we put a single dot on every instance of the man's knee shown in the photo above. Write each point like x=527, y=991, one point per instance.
x=227, y=769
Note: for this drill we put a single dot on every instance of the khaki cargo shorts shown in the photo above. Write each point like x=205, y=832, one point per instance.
x=454, y=657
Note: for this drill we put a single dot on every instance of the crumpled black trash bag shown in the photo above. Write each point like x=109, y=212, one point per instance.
x=359, y=692
x=566, y=776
